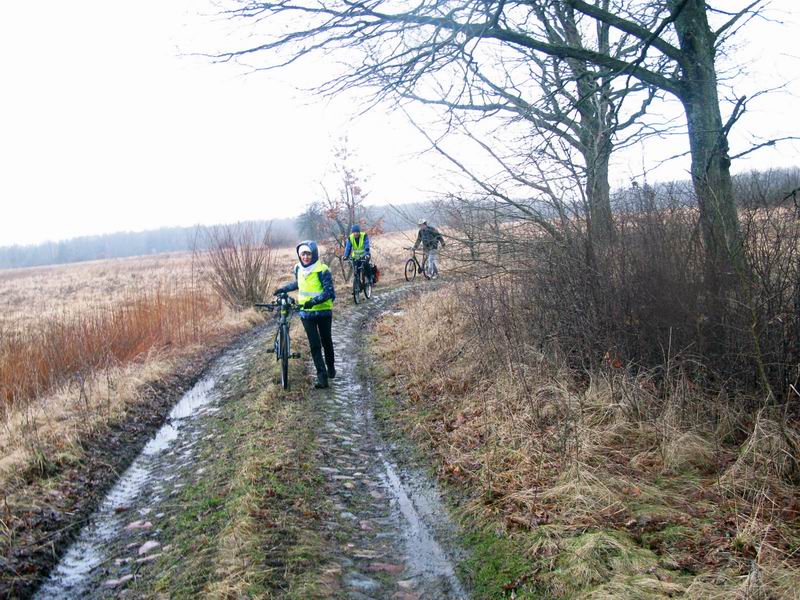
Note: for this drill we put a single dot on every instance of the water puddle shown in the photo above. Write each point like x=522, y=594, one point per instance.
x=140, y=485
x=419, y=504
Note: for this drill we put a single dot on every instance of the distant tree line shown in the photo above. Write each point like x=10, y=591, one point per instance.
x=283, y=232
x=123, y=244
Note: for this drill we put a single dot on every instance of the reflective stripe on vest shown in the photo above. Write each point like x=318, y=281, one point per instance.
x=357, y=248
x=310, y=285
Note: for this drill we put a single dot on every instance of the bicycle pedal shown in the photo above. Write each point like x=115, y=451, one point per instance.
x=294, y=355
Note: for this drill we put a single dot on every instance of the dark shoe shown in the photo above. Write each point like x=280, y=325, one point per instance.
x=321, y=383
x=332, y=373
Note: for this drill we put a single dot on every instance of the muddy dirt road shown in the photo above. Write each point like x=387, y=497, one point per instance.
x=388, y=533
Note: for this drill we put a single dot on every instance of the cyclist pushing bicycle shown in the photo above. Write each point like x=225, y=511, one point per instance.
x=314, y=283
x=430, y=238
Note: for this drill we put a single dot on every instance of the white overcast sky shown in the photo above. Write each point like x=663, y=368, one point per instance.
x=104, y=126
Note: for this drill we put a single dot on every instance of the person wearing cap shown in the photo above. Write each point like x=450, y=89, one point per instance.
x=314, y=283
x=430, y=238
x=357, y=247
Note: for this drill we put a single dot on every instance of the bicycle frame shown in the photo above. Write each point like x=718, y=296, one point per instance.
x=360, y=281
x=285, y=305
x=413, y=266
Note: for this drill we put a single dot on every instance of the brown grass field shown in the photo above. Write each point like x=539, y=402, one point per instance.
x=78, y=341
x=595, y=502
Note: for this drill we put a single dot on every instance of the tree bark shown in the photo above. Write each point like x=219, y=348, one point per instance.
x=708, y=143
x=598, y=190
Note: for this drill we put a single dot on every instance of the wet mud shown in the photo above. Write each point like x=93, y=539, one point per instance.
x=123, y=533
x=46, y=517
x=396, y=538
x=389, y=535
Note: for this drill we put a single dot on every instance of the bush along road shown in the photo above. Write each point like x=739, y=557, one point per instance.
x=252, y=491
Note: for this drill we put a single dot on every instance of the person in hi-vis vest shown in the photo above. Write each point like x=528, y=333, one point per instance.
x=357, y=246
x=315, y=295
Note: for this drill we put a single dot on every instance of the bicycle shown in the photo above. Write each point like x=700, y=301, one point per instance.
x=285, y=305
x=362, y=282
x=413, y=266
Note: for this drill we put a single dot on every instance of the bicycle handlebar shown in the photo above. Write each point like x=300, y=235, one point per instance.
x=284, y=299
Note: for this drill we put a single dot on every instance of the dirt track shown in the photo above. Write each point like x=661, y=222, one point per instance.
x=388, y=534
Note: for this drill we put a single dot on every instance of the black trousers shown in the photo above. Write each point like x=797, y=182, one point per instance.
x=318, y=330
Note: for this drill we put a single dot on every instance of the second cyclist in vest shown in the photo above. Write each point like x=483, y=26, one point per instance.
x=357, y=247
x=314, y=283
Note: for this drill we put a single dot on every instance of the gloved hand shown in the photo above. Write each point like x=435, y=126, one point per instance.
x=305, y=305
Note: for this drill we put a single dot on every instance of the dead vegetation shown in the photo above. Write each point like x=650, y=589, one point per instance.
x=626, y=486
x=79, y=343
x=81, y=346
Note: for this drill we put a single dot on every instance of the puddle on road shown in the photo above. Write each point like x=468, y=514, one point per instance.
x=77, y=569
x=420, y=505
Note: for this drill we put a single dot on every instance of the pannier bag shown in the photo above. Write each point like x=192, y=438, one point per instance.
x=376, y=273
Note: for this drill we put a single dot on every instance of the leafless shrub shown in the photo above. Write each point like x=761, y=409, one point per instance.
x=69, y=347
x=241, y=263
x=644, y=302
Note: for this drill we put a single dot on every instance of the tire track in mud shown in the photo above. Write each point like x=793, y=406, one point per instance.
x=389, y=535
x=399, y=542
x=124, y=534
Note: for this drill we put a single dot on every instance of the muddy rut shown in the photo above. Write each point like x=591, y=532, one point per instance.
x=390, y=536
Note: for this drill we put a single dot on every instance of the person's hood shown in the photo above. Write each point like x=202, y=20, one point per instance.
x=355, y=228
x=314, y=251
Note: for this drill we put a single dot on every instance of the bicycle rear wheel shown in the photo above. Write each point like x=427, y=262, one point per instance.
x=283, y=341
x=424, y=268
x=367, y=285
x=411, y=269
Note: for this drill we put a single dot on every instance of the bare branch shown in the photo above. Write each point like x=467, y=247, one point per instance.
x=771, y=142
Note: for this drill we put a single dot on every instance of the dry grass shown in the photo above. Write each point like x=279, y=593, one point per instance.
x=642, y=469
x=80, y=342
x=70, y=346
x=767, y=461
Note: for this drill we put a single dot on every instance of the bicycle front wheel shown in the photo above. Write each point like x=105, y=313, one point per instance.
x=356, y=285
x=347, y=268
x=284, y=355
x=411, y=269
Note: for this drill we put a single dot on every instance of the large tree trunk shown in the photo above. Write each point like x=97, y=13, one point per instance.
x=598, y=194
x=709, y=145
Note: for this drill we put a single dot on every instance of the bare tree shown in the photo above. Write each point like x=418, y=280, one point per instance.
x=401, y=48
x=572, y=106
x=311, y=222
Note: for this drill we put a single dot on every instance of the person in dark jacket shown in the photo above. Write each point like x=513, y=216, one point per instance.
x=314, y=283
x=430, y=238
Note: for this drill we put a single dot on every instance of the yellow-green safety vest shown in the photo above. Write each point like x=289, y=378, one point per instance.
x=310, y=285
x=357, y=248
